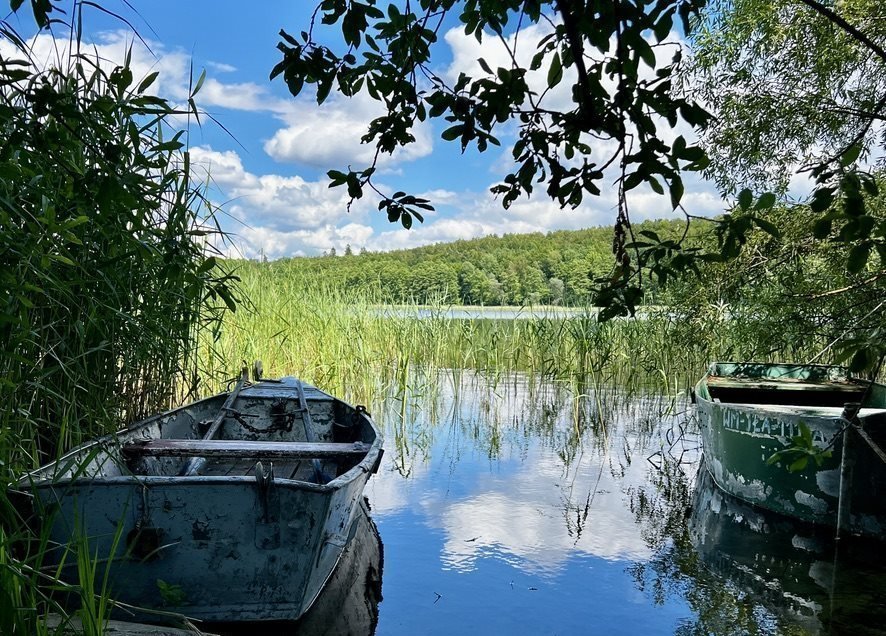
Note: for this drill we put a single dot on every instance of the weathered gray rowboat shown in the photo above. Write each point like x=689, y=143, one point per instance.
x=750, y=411
x=234, y=508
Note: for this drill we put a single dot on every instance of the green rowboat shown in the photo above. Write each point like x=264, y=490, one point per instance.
x=750, y=411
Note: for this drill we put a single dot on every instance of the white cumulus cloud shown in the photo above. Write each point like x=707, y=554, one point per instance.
x=329, y=135
x=280, y=215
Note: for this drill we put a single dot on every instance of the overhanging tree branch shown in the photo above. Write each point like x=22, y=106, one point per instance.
x=847, y=27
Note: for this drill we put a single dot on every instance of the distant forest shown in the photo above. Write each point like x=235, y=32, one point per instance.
x=557, y=268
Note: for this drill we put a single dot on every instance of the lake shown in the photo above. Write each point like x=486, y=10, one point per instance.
x=457, y=312
x=509, y=505
x=515, y=506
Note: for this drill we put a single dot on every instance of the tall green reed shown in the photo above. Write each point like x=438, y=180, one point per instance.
x=348, y=342
x=106, y=268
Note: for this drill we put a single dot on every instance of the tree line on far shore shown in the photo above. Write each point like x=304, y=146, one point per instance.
x=556, y=268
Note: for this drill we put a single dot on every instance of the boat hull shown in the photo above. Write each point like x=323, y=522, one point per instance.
x=222, y=554
x=739, y=438
x=796, y=571
x=246, y=546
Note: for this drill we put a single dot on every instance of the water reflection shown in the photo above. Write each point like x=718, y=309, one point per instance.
x=514, y=515
x=515, y=505
x=744, y=570
x=796, y=571
x=547, y=467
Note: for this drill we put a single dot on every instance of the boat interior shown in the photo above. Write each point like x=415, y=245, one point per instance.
x=263, y=429
x=785, y=391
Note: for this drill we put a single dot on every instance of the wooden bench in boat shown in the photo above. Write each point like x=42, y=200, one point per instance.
x=242, y=449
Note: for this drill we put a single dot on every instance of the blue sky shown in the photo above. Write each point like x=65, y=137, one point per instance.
x=269, y=174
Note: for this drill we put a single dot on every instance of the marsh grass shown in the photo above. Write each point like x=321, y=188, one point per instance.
x=401, y=362
x=107, y=275
x=345, y=342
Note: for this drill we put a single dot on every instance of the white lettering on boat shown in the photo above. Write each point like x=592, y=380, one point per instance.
x=747, y=422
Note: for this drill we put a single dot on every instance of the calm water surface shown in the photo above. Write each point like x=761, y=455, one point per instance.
x=534, y=508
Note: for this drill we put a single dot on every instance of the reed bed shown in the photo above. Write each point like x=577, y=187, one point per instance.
x=107, y=280
x=347, y=342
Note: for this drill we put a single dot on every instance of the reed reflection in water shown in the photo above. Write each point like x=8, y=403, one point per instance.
x=523, y=506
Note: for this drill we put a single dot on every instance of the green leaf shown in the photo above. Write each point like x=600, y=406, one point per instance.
x=355, y=190
x=799, y=464
x=766, y=201
x=62, y=259
x=870, y=186
x=821, y=228
x=650, y=234
x=632, y=181
x=148, y=81
x=645, y=52
x=663, y=27
x=655, y=185
x=858, y=257
x=226, y=295
x=850, y=155
x=169, y=146
x=337, y=177
x=199, y=83
x=767, y=227
x=676, y=191
x=821, y=200
x=207, y=265
x=862, y=360
x=775, y=458
x=555, y=71
x=452, y=133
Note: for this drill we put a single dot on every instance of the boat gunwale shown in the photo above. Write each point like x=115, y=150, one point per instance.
x=770, y=381
x=112, y=443
x=713, y=365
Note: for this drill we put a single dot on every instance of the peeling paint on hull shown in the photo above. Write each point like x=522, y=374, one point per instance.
x=739, y=436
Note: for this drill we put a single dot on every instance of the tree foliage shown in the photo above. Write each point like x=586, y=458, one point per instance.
x=796, y=291
x=798, y=86
x=613, y=58
x=792, y=84
x=557, y=268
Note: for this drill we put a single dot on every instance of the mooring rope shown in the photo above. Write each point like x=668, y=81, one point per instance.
x=874, y=447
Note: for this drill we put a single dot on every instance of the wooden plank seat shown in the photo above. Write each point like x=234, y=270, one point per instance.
x=242, y=449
